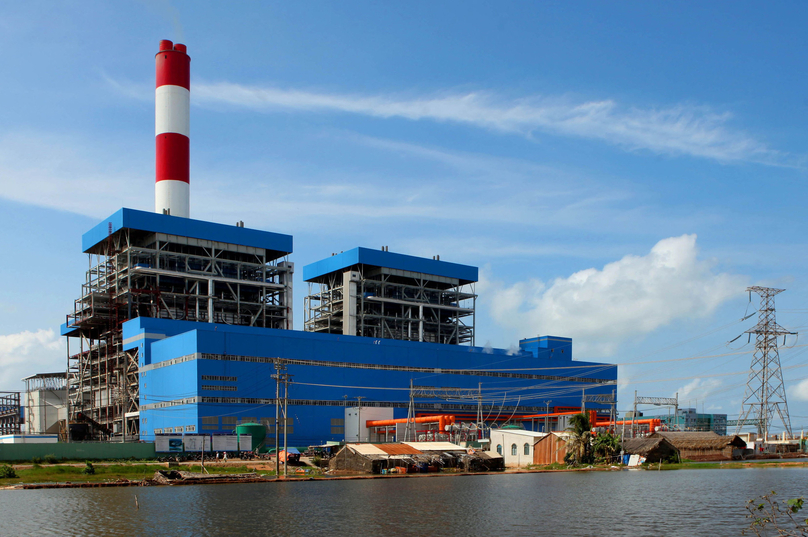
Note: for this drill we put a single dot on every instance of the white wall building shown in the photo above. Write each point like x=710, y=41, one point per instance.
x=356, y=419
x=515, y=445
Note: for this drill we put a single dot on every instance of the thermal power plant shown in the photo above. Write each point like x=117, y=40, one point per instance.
x=186, y=327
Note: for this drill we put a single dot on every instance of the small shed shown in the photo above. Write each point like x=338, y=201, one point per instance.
x=653, y=449
x=550, y=449
x=704, y=446
x=372, y=459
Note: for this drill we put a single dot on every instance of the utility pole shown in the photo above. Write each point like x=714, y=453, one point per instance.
x=547, y=417
x=277, y=376
x=411, y=416
x=480, y=424
x=286, y=378
x=765, y=391
x=359, y=418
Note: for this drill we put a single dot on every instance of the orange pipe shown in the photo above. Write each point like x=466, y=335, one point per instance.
x=651, y=422
x=442, y=421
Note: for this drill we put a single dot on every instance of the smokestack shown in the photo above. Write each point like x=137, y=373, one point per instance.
x=172, y=128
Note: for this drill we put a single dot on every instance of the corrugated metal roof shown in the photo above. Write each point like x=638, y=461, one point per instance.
x=398, y=449
x=378, y=258
x=435, y=446
x=366, y=449
x=185, y=227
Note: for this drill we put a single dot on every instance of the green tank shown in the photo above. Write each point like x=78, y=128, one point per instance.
x=257, y=431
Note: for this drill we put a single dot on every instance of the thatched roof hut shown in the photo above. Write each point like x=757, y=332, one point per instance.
x=704, y=446
x=653, y=449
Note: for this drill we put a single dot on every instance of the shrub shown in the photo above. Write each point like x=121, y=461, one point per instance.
x=36, y=460
x=89, y=469
x=50, y=459
x=768, y=516
x=7, y=472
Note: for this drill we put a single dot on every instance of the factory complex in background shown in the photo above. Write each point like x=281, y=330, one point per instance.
x=186, y=327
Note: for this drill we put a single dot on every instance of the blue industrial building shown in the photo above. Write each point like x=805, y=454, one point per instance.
x=182, y=323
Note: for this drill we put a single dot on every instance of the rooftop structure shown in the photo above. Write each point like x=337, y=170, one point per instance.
x=379, y=294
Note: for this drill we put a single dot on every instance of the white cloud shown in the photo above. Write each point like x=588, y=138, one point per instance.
x=697, y=390
x=799, y=391
x=631, y=297
x=27, y=353
x=675, y=130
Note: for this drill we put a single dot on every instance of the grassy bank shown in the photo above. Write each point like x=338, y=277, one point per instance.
x=59, y=473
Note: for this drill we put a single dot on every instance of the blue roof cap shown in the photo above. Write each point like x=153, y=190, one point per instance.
x=186, y=227
x=379, y=258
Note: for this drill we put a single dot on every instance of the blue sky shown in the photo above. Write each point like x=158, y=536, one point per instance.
x=619, y=172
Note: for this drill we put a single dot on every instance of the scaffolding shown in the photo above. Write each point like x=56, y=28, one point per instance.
x=10, y=414
x=388, y=303
x=137, y=273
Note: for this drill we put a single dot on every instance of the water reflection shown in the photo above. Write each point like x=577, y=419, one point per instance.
x=680, y=503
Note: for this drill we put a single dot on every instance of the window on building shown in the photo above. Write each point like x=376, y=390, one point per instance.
x=527, y=448
x=513, y=449
x=499, y=449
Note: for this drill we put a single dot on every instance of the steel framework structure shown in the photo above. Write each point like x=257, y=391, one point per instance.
x=656, y=401
x=765, y=390
x=136, y=273
x=10, y=417
x=381, y=302
x=444, y=393
x=605, y=399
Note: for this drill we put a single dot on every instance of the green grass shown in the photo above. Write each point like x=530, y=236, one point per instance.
x=61, y=474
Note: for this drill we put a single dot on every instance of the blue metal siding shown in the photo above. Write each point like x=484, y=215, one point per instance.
x=186, y=227
x=323, y=383
x=378, y=258
x=559, y=348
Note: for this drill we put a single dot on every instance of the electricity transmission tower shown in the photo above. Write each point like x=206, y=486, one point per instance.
x=765, y=390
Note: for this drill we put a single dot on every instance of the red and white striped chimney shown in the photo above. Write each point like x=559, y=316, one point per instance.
x=172, y=127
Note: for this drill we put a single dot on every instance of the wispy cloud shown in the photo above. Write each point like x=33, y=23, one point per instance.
x=679, y=129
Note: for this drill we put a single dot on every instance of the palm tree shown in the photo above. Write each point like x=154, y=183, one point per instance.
x=579, y=441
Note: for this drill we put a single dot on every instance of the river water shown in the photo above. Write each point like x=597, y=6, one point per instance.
x=675, y=503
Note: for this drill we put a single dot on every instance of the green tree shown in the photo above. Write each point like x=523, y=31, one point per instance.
x=580, y=441
x=606, y=445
